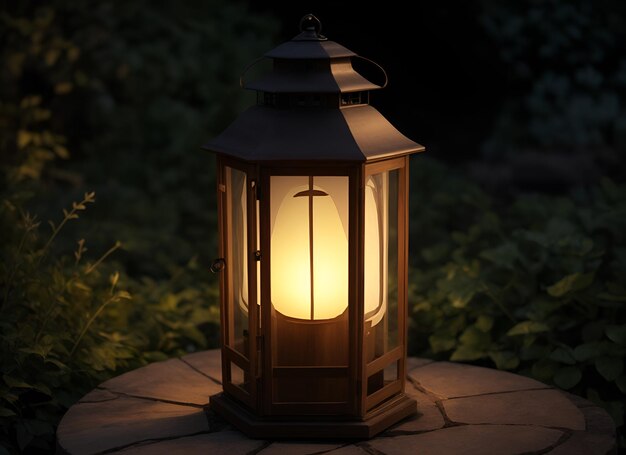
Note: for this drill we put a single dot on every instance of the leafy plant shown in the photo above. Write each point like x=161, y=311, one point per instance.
x=67, y=324
x=535, y=285
x=53, y=343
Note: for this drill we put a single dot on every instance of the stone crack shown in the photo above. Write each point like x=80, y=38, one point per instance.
x=200, y=371
x=160, y=400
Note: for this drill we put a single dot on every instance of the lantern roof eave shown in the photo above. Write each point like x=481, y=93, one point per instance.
x=356, y=134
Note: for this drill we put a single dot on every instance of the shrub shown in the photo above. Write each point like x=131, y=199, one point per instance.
x=535, y=285
x=67, y=324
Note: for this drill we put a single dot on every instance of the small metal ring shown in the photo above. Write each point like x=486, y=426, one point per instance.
x=218, y=265
x=310, y=17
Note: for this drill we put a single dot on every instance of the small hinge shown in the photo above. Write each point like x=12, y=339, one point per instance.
x=257, y=255
x=221, y=187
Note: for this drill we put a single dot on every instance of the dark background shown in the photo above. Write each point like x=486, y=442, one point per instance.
x=525, y=95
x=446, y=81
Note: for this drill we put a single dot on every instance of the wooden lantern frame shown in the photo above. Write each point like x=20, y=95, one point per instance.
x=254, y=408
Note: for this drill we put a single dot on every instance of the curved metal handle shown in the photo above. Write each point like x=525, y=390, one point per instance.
x=379, y=67
x=246, y=69
x=218, y=265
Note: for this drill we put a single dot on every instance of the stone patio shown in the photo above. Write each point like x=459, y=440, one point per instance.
x=462, y=409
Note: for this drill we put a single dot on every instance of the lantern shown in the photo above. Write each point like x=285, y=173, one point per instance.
x=312, y=202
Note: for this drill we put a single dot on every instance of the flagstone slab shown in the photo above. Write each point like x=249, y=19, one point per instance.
x=207, y=362
x=349, y=450
x=98, y=426
x=583, y=443
x=462, y=409
x=99, y=395
x=448, y=380
x=428, y=416
x=299, y=448
x=548, y=408
x=470, y=440
x=170, y=380
x=221, y=443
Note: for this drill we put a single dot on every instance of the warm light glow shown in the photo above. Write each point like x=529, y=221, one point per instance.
x=309, y=213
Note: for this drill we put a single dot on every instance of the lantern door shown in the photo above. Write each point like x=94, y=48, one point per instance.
x=239, y=279
x=384, y=280
x=306, y=314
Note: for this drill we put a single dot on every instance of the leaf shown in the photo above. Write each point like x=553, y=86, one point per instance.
x=114, y=278
x=60, y=365
x=41, y=351
x=544, y=370
x=5, y=412
x=82, y=286
x=484, y=323
x=475, y=338
x=63, y=88
x=16, y=383
x=441, y=343
x=526, y=327
x=563, y=355
x=567, y=377
x=196, y=335
x=617, y=333
x=124, y=295
x=504, y=255
x=574, y=282
x=23, y=138
x=587, y=351
x=466, y=353
x=610, y=367
x=61, y=152
x=504, y=360
x=51, y=56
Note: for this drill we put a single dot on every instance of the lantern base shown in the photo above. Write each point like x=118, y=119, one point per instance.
x=377, y=420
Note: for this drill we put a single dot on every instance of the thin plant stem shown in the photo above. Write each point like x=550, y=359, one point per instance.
x=89, y=197
x=91, y=320
x=92, y=267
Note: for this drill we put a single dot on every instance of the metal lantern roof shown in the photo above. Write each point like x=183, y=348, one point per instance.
x=307, y=118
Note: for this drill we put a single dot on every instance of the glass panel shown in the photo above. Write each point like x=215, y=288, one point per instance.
x=309, y=284
x=237, y=259
x=239, y=378
x=381, y=264
x=382, y=378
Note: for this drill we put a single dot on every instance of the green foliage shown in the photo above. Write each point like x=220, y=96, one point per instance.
x=132, y=90
x=535, y=285
x=115, y=97
x=67, y=324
